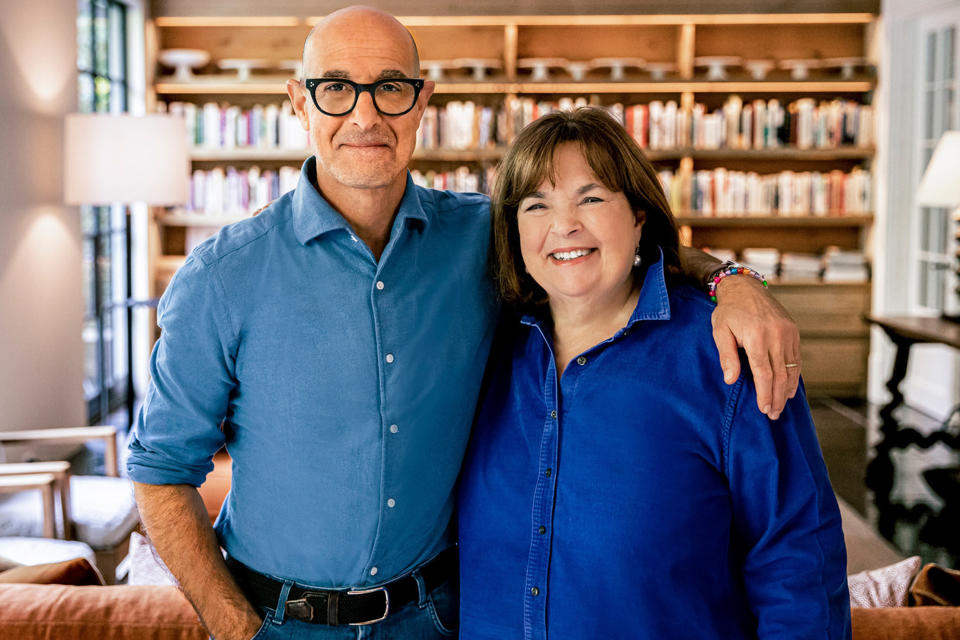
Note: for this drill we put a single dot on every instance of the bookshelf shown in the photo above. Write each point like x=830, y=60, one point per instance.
x=832, y=335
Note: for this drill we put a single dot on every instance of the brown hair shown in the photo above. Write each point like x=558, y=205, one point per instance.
x=614, y=158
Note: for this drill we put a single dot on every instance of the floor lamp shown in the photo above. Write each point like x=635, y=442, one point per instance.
x=940, y=187
x=120, y=158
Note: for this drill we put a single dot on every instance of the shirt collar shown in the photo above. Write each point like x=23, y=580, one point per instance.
x=653, y=304
x=313, y=216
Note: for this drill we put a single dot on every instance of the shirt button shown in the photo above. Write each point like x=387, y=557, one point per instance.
x=553, y=414
x=542, y=530
x=548, y=472
x=394, y=428
x=373, y=571
x=391, y=503
x=534, y=591
x=389, y=358
x=354, y=238
x=380, y=285
x=582, y=360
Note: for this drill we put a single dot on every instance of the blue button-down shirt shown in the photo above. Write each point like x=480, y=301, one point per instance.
x=346, y=386
x=641, y=497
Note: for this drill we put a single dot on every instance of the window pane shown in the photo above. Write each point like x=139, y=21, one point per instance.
x=950, y=109
x=117, y=54
x=100, y=38
x=89, y=296
x=84, y=41
x=931, y=56
x=940, y=228
x=924, y=228
x=91, y=359
x=949, y=36
x=102, y=90
x=924, y=285
x=85, y=89
x=929, y=121
x=117, y=98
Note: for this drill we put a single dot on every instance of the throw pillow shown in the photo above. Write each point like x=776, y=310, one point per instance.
x=884, y=587
x=146, y=567
x=77, y=571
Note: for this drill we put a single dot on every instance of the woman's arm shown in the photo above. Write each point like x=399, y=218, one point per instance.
x=786, y=522
x=748, y=316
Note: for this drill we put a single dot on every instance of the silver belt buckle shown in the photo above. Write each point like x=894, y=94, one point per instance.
x=386, y=608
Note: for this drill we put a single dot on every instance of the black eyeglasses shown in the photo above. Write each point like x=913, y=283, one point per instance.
x=338, y=96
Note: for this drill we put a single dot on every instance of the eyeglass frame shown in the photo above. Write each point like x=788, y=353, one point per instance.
x=311, y=85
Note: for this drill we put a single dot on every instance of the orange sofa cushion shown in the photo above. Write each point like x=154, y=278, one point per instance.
x=906, y=623
x=52, y=612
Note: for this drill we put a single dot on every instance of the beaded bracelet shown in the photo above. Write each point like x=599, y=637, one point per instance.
x=731, y=269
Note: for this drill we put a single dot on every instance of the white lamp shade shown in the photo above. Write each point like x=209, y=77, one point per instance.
x=940, y=185
x=123, y=158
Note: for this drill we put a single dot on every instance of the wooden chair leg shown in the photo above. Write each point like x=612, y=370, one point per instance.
x=109, y=559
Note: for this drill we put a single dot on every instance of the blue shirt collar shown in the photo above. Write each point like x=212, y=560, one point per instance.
x=653, y=304
x=313, y=216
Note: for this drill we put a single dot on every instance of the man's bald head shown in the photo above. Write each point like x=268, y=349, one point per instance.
x=359, y=22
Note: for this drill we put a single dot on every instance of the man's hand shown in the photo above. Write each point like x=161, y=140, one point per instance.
x=179, y=527
x=749, y=317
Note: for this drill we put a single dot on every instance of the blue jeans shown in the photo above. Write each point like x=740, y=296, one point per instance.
x=434, y=617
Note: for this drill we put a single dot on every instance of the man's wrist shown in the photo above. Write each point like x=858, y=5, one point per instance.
x=729, y=271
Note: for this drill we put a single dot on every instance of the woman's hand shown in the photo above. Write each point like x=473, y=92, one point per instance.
x=748, y=316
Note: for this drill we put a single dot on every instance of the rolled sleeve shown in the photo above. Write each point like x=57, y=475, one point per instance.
x=787, y=522
x=192, y=371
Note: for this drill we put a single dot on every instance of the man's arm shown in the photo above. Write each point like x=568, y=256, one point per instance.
x=749, y=317
x=179, y=527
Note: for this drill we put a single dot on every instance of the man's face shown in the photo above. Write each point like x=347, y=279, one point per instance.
x=363, y=149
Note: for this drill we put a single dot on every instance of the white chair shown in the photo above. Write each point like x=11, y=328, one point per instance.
x=42, y=499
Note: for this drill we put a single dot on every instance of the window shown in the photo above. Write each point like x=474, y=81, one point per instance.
x=940, y=112
x=103, y=88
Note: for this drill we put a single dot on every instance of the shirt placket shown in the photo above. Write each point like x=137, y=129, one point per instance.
x=541, y=532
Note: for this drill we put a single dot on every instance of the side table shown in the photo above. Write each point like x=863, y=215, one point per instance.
x=904, y=332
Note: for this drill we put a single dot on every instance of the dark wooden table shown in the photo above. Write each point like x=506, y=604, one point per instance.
x=904, y=332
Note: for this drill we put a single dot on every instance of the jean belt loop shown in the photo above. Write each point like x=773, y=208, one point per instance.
x=281, y=611
x=421, y=590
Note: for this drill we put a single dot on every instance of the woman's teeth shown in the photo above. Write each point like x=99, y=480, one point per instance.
x=570, y=255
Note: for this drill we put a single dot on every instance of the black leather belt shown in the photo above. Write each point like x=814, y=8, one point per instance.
x=353, y=607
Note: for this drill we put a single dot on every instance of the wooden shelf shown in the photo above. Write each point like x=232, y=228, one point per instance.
x=191, y=219
x=691, y=220
x=495, y=153
x=276, y=85
x=251, y=154
x=528, y=20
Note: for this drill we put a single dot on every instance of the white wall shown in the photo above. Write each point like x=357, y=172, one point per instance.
x=41, y=303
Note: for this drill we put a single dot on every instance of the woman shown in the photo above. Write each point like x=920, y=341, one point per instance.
x=615, y=486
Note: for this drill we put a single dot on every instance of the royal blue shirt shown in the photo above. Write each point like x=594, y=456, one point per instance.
x=346, y=385
x=641, y=497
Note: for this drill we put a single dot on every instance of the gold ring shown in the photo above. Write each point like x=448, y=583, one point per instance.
x=791, y=365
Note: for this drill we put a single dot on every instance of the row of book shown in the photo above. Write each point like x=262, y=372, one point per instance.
x=232, y=191
x=722, y=192
x=221, y=126
x=463, y=179
x=658, y=125
x=831, y=265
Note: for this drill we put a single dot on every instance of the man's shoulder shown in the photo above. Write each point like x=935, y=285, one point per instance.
x=234, y=237
x=454, y=202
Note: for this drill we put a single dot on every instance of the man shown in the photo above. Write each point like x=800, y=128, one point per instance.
x=340, y=338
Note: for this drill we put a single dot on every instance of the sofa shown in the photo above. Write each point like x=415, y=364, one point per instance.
x=72, y=604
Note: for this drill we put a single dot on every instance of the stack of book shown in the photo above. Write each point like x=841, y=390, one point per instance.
x=459, y=125
x=800, y=266
x=764, y=260
x=845, y=266
x=803, y=124
x=233, y=192
x=722, y=192
x=223, y=126
x=463, y=179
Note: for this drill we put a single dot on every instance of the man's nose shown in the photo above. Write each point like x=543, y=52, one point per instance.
x=365, y=114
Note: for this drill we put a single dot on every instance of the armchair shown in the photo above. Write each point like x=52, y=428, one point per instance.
x=96, y=510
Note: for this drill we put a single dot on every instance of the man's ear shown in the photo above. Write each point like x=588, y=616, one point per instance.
x=428, y=87
x=298, y=98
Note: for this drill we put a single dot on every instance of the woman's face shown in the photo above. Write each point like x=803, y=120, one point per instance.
x=578, y=238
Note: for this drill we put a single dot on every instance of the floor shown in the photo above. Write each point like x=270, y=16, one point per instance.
x=845, y=428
